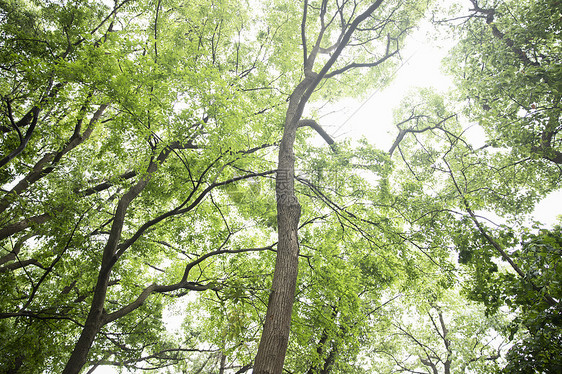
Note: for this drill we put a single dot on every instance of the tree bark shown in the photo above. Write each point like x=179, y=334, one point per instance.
x=95, y=319
x=92, y=326
x=275, y=335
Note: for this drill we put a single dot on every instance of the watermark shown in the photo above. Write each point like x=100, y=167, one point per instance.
x=279, y=189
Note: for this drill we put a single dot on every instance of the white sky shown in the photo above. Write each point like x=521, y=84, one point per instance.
x=372, y=117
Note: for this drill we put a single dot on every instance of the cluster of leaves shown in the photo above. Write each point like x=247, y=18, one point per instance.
x=535, y=329
x=509, y=63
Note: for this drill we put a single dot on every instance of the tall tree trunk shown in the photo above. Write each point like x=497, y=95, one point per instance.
x=223, y=363
x=94, y=323
x=275, y=335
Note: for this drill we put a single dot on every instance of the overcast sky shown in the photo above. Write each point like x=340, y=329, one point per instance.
x=421, y=67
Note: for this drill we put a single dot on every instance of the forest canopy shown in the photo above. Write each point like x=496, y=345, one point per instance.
x=173, y=201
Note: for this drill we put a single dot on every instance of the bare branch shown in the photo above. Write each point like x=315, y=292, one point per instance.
x=303, y=32
x=20, y=264
x=360, y=65
x=403, y=132
x=314, y=125
x=14, y=228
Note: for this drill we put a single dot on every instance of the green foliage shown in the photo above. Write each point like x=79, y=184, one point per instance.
x=114, y=88
x=508, y=65
x=190, y=97
x=537, y=321
x=535, y=330
x=444, y=335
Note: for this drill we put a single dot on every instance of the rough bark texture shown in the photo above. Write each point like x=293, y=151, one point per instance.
x=275, y=336
x=92, y=326
x=14, y=228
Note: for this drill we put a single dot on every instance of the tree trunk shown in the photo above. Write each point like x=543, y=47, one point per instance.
x=93, y=324
x=223, y=363
x=95, y=319
x=275, y=335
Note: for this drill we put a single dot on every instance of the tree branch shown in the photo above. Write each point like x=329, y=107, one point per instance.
x=314, y=125
x=403, y=132
x=182, y=284
x=360, y=65
x=14, y=228
x=494, y=243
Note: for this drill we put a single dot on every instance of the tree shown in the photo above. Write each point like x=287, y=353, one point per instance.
x=507, y=66
x=478, y=180
x=101, y=202
x=464, y=183
x=439, y=336
x=336, y=25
